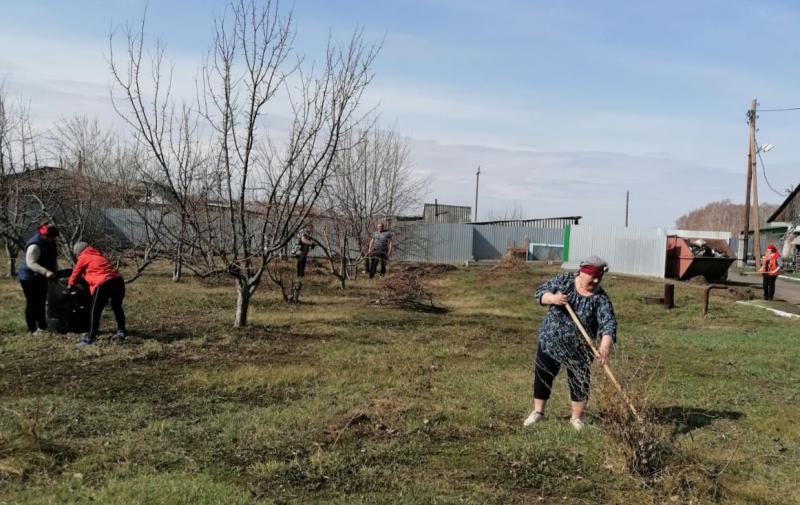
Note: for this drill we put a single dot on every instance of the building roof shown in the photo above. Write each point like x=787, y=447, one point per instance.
x=785, y=203
x=540, y=222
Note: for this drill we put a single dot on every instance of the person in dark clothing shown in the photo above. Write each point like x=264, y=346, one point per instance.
x=560, y=345
x=379, y=250
x=41, y=264
x=301, y=249
x=105, y=283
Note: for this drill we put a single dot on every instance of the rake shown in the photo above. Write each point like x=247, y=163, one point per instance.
x=605, y=365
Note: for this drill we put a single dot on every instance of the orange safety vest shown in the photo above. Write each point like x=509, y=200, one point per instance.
x=769, y=264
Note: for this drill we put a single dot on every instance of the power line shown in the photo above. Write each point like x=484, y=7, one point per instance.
x=764, y=171
x=779, y=110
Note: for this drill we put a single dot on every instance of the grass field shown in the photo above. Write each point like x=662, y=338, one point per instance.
x=342, y=401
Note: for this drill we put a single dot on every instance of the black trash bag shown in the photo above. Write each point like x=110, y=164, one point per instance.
x=68, y=310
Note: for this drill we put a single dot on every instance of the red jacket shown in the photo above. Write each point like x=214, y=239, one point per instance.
x=94, y=268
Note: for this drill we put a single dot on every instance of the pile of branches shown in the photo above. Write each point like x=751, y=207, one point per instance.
x=649, y=445
x=511, y=264
x=405, y=290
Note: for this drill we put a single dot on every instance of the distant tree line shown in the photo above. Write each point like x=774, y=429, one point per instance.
x=723, y=215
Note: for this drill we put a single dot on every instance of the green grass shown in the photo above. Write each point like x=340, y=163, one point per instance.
x=342, y=401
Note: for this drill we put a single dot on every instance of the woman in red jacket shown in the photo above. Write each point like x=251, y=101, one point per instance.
x=105, y=283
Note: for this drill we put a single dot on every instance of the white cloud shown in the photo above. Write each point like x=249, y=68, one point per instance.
x=591, y=184
x=551, y=160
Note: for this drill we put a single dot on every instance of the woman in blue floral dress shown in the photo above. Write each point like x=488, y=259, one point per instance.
x=560, y=342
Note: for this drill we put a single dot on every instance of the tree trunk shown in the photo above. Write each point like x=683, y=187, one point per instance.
x=177, y=269
x=242, y=304
x=12, y=262
x=344, y=265
x=177, y=264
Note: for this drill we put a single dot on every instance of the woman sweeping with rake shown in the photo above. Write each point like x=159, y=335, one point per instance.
x=563, y=341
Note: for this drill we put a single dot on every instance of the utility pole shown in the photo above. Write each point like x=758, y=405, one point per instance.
x=627, y=201
x=757, y=225
x=751, y=120
x=477, y=180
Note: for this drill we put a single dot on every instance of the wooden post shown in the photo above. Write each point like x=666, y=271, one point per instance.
x=751, y=119
x=627, y=201
x=669, y=296
x=477, y=180
x=757, y=224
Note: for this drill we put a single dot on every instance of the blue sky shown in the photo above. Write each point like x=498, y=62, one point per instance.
x=565, y=105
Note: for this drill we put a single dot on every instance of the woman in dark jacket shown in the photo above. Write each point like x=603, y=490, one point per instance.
x=560, y=343
x=41, y=264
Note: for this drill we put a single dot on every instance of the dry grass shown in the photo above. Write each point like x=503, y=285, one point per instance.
x=24, y=450
x=649, y=445
x=337, y=400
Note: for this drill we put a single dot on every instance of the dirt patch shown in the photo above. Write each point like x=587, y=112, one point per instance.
x=739, y=293
x=426, y=269
x=733, y=291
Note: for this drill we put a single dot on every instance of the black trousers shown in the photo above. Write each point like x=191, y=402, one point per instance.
x=545, y=372
x=113, y=290
x=769, y=287
x=301, y=265
x=373, y=261
x=35, y=291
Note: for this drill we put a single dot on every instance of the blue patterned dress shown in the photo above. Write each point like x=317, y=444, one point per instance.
x=559, y=338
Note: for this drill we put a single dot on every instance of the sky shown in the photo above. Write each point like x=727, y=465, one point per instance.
x=565, y=106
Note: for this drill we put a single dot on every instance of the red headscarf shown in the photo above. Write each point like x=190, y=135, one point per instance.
x=593, y=271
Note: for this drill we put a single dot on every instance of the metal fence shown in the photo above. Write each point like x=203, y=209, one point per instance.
x=413, y=241
x=491, y=242
x=634, y=251
x=435, y=242
x=454, y=243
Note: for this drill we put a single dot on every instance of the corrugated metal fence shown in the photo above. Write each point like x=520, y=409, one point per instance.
x=436, y=242
x=454, y=243
x=491, y=242
x=634, y=251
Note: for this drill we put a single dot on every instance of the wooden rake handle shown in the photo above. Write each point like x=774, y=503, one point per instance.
x=597, y=355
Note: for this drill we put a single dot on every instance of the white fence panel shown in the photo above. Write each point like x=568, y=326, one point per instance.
x=633, y=251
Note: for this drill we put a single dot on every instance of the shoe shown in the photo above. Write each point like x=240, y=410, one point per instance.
x=577, y=423
x=38, y=333
x=535, y=417
x=86, y=341
x=120, y=336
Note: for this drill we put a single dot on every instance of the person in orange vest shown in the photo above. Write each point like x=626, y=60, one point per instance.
x=770, y=268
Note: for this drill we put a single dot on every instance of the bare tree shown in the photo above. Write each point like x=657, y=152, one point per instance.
x=372, y=182
x=18, y=156
x=723, y=215
x=252, y=193
x=509, y=214
x=85, y=151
